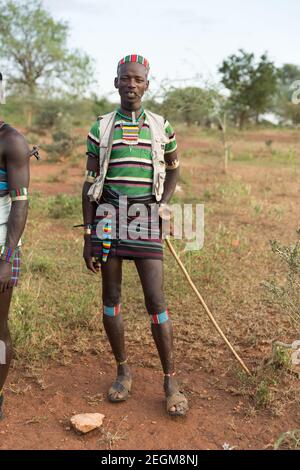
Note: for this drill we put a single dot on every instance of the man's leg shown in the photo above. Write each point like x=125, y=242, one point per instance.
x=5, y=340
x=151, y=276
x=111, y=272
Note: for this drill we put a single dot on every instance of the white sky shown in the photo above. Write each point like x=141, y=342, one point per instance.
x=180, y=39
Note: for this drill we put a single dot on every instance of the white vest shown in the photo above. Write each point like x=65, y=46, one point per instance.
x=158, y=143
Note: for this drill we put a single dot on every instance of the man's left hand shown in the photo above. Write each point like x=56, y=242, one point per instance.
x=5, y=276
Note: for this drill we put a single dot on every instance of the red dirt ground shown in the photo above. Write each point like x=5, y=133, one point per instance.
x=39, y=419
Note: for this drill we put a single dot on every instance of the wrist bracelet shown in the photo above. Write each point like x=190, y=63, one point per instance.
x=7, y=254
x=87, y=230
x=164, y=211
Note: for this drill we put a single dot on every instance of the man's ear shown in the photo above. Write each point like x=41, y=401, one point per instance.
x=116, y=82
x=147, y=85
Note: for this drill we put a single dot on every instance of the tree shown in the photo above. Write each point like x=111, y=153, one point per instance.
x=34, y=51
x=190, y=105
x=252, y=85
x=102, y=105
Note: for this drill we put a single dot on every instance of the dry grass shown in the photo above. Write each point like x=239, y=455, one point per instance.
x=56, y=308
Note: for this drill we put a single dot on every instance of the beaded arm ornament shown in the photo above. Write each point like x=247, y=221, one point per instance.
x=19, y=194
x=7, y=254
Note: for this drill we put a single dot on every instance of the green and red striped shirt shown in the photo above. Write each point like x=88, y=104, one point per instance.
x=130, y=169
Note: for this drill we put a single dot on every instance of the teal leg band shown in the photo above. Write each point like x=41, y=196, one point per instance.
x=112, y=311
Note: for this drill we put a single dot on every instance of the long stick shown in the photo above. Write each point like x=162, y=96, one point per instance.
x=206, y=307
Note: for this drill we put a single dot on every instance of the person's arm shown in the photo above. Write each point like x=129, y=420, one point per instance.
x=17, y=155
x=89, y=208
x=172, y=175
x=89, y=211
x=172, y=164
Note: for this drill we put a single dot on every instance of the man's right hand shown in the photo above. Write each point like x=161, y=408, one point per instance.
x=92, y=265
x=5, y=276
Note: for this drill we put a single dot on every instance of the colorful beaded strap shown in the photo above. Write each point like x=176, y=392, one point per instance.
x=106, y=244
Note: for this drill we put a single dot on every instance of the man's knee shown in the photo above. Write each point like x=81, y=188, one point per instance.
x=111, y=295
x=155, y=302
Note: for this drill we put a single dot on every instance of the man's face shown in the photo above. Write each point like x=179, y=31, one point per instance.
x=132, y=83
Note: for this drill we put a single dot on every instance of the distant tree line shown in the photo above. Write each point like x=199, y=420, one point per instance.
x=47, y=79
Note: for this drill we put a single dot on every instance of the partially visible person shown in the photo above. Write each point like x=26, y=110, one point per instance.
x=14, y=182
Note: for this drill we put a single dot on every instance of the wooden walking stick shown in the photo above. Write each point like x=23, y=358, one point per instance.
x=170, y=246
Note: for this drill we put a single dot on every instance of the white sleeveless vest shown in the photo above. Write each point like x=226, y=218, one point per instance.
x=158, y=143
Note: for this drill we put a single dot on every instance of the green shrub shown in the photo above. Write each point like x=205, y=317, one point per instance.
x=64, y=205
x=286, y=294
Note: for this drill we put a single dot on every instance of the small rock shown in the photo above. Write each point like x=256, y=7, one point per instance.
x=86, y=422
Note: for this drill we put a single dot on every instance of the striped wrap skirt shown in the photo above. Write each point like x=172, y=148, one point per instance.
x=135, y=231
x=16, y=268
x=5, y=208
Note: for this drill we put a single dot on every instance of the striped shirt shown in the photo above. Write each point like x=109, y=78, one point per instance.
x=130, y=170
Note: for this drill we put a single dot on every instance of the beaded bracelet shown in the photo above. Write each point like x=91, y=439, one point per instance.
x=19, y=194
x=7, y=254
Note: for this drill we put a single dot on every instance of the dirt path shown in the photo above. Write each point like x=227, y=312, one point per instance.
x=39, y=419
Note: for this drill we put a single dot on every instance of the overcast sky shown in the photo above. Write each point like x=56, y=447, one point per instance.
x=180, y=39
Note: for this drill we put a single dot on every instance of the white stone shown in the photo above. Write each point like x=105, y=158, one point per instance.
x=86, y=422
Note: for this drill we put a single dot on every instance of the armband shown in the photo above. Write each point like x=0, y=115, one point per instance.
x=19, y=194
x=172, y=165
x=90, y=176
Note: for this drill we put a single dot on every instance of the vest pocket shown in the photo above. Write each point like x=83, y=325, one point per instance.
x=159, y=189
x=159, y=150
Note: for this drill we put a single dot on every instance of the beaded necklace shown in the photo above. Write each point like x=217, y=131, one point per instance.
x=131, y=127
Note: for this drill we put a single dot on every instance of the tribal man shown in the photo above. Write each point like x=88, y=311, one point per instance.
x=131, y=152
x=14, y=181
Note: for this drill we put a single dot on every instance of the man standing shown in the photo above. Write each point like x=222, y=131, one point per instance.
x=14, y=181
x=131, y=152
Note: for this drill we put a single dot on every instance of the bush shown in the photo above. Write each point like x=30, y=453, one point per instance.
x=63, y=142
x=64, y=205
x=48, y=113
x=286, y=294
